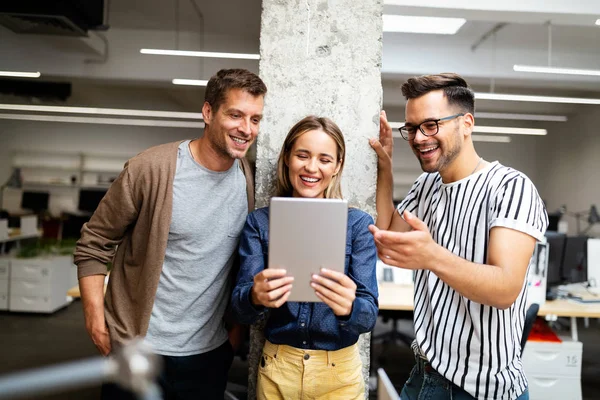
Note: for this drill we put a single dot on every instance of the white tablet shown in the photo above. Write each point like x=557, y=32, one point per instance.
x=306, y=235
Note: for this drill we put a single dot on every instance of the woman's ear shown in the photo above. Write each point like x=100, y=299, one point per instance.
x=338, y=167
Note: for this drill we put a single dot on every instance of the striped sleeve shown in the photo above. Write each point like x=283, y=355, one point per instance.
x=518, y=206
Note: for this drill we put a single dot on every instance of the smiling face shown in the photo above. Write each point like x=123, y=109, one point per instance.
x=438, y=152
x=312, y=163
x=233, y=127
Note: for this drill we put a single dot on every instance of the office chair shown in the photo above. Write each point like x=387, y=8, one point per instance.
x=530, y=317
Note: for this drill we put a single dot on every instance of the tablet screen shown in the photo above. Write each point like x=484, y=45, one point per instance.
x=306, y=235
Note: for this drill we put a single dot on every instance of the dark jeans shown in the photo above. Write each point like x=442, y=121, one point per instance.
x=201, y=376
x=426, y=383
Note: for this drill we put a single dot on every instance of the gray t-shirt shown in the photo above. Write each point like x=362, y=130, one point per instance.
x=209, y=211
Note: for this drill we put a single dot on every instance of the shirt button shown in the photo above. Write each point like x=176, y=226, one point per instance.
x=306, y=356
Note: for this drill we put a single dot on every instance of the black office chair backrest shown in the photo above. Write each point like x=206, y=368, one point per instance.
x=530, y=317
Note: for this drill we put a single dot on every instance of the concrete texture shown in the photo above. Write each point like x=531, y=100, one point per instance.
x=321, y=57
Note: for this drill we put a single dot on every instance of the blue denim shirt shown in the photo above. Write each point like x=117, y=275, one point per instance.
x=309, y=325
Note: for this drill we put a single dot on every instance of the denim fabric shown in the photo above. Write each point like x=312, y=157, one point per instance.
x=201, y=376
x=425, y=383
x=309, y=325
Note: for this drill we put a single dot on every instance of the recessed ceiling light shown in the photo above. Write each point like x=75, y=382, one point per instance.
x=192, y=82
x=540, y=99
x=521, y=117
x=491, y=138
x=598, y=21
x=417, y=24
x=555, y=70
x=20, y=74
x=509, y=130
x=207, y=54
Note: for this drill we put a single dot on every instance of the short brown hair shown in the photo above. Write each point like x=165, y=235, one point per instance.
x=455, y=88
x=227, y=79
x=311, y=123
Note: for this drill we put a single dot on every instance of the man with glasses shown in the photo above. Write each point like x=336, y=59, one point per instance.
x=468, y=228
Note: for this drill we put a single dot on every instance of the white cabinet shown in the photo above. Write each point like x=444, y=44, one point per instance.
x=553, y=369
x=4, y=276
x=39, y=284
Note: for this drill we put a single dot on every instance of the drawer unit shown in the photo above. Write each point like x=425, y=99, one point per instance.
x=552, y=359
x=4, y=268
x=39, y=284
x=44, y=304
x=3, y=294
x=549, y=388
x=30, y=288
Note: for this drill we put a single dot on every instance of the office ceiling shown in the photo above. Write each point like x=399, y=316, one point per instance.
x=485, y=59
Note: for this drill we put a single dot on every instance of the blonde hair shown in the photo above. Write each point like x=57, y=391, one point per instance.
x=310, y=123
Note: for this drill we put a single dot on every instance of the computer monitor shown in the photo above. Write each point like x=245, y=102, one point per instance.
x=556, y=250
x=35, y=201
x=574, y=266
x=89, y=199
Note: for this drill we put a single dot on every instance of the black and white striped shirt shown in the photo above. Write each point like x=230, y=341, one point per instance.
x=475, y=346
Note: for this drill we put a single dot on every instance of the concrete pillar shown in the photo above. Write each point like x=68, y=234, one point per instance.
x=321, y=57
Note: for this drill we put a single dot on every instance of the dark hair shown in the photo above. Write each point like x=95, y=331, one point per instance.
x=227, y=79
x=306, y=124
x=455, y=88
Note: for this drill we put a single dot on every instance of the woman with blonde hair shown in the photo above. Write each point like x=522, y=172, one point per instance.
x=311, y=350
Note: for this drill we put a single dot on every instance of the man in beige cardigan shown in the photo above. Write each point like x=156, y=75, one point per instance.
x=170, y=225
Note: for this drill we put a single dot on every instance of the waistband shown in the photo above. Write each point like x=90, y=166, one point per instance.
x=320, y=356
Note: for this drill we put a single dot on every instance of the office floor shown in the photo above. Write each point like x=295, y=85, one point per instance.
x=34, y=340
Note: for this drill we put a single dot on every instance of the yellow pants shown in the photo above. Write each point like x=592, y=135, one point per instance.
x=286, y=372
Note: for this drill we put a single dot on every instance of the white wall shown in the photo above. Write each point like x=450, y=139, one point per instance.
x=569, y=165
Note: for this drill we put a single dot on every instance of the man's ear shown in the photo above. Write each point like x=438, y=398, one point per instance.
x=207, y=112
x=469, y=123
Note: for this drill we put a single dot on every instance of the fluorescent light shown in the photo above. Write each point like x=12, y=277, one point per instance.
x=18, y=74
x=555, y=70
x=540, y=99
x=490, y=139
x=509, y=130
x=102, y=111
x=413, y=24
x=105, y=121
x=208, y=54
x=192, y=82
x=521, y=117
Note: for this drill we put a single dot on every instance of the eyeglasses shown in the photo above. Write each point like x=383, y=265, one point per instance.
x=428, y=128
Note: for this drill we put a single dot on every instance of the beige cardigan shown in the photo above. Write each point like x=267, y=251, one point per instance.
x=135, y=215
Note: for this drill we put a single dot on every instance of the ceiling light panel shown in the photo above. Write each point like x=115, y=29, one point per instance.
x=104, y=121
x=205, y=54
x=417, y=24
x=555, y=70
x=509, y=130
x=190, y=82
x=102, y=111
x=20, y=74
x=535, y=99
x=521, y=117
